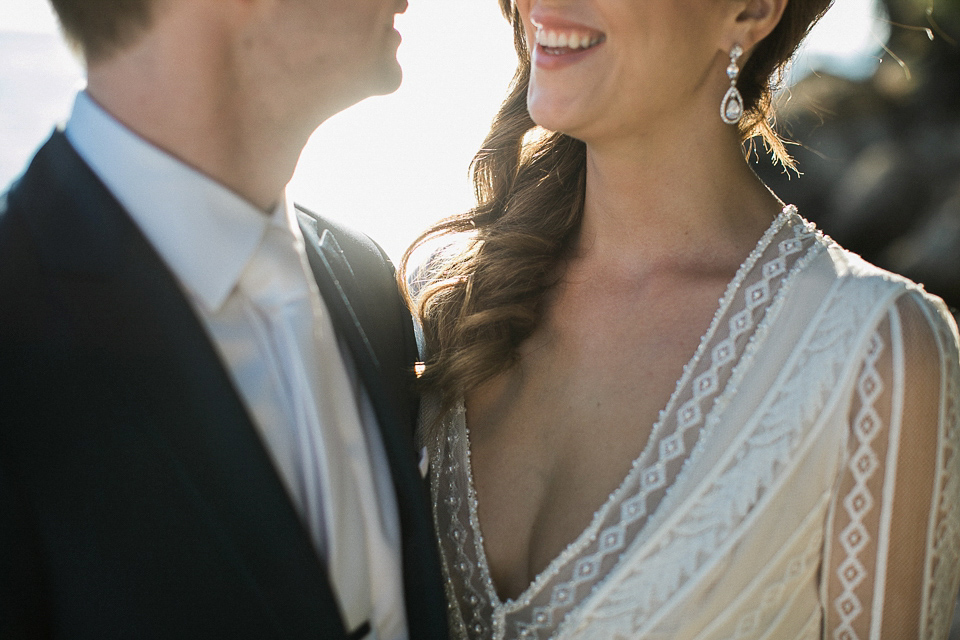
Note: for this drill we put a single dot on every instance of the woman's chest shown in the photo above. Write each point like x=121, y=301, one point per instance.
x=743, y=516
x=754, y=418
x=552, y=440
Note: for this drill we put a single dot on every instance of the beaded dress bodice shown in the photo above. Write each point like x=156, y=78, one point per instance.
x=762, y=503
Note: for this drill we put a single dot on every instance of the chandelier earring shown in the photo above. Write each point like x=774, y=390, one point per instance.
x=731, y=107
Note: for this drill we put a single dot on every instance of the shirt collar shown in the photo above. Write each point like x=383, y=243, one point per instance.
x=205, y=233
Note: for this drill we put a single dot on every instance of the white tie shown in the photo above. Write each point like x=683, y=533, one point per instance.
x=277, y=284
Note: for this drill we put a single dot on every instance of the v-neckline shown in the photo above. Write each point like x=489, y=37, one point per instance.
x=576, y=546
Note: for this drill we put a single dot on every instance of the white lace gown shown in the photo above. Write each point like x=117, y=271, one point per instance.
x=802, y=481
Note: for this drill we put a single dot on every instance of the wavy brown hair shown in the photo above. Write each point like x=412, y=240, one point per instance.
x=480, y=298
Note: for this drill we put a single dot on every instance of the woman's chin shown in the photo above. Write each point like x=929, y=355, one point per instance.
x=564, y=115
x=556, y=122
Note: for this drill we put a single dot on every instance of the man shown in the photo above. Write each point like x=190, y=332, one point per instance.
x=206, y=421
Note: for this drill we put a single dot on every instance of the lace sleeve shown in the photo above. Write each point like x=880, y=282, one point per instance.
x=419, y=278
x=891, y=557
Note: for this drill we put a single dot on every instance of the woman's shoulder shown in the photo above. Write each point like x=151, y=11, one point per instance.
x=428, y=263
x=856, y=279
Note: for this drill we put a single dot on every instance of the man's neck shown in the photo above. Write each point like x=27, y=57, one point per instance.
x=183, y=95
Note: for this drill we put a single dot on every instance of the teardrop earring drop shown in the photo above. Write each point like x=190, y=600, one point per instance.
x=731, y=107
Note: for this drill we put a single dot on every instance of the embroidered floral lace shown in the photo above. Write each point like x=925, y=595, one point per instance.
x=802, y=481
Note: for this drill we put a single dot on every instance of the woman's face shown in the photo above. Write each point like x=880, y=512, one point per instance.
x=603, y=68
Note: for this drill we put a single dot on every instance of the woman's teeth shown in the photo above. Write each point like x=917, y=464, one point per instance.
x=567, y=39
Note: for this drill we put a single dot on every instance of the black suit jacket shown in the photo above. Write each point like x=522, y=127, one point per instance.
x=136, y=499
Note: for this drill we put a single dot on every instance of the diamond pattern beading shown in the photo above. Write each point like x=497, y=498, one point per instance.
x=557, y=590
x=635, y=507
x=690, y=414
x=705, y=382
x=723, y=353
x=757, y=294
x=654, y=478
x=870, y=387
x=863, y=464
x=775, y=268
x=585, y=569
x=852, y=573
x=612, y=540
x=858, y=502
x=740, y=322
x=789, y=247
x=672, y=447
x=854, y=538
x=866, y=424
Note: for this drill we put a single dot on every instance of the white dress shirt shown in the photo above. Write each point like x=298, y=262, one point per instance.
x=211, y=238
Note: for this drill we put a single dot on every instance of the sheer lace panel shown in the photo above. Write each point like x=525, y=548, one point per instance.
x=802, y=481
x=749, y=306
x=741, y=320
x=767, y=444
x=892, y=550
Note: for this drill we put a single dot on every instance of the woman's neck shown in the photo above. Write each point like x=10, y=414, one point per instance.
x=666, y=197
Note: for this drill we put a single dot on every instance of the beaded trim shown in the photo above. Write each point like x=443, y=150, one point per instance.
x=774, y=268
x=738, y=491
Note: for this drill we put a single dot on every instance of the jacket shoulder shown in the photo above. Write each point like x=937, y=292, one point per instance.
x=362, y=253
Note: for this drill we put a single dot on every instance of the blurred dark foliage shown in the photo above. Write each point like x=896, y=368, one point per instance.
x=880, y=158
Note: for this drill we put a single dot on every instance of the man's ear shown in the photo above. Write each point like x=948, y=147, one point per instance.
x=755, y=21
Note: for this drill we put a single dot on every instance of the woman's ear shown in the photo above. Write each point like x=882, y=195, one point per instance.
x=755, y=21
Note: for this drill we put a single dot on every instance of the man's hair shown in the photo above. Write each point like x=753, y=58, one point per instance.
x=100, y=28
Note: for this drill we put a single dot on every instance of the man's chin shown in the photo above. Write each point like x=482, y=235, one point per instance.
x=383, y=82
x=387, y=81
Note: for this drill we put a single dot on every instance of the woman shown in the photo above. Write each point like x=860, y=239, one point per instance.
x=615, y=455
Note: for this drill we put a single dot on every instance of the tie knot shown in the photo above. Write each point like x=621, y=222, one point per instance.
x=275, y=277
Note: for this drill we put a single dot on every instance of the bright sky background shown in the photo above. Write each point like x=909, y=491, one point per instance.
x=390, y=165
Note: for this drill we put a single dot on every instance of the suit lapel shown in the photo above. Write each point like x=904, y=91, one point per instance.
x=370, y=333
x=370, y=316
x=340, y=279
x=174, y=381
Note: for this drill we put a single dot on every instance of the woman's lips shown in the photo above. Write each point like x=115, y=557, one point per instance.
x=567, y=39
x=562, y=46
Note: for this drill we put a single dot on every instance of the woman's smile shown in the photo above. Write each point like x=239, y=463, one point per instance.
x=558, y=43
